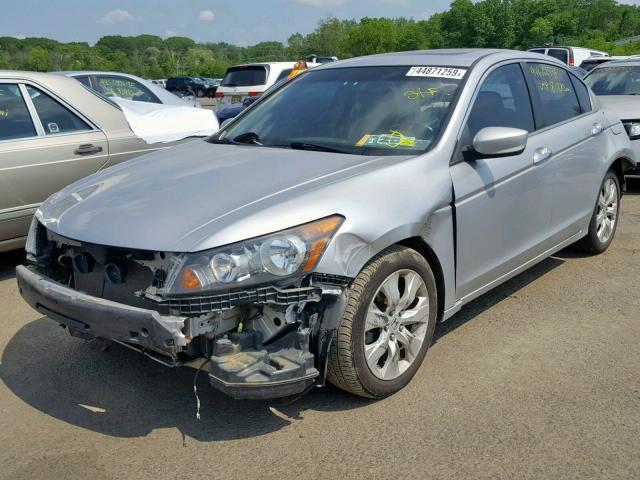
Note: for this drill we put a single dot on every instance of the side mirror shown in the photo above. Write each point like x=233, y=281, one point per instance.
x=496, y=141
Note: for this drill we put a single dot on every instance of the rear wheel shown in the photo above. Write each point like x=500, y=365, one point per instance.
x=387, y=327
x=604, y=220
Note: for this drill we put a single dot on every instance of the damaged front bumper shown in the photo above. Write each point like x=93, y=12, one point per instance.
x=242, y=364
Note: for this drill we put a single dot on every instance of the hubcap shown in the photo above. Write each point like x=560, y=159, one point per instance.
x=607, y=213
x=396, y=324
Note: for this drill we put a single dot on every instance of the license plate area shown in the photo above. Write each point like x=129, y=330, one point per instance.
x=236, y=99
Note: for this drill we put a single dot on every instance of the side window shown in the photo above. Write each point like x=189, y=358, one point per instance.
x=125, y=88
x=554, y=99
x=583, y=94
x=15, y=121
x=503, y=101
x=54, y=117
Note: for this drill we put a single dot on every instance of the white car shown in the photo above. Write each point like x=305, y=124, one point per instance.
x=251, y=80
x=129, y=87
x=572, y=56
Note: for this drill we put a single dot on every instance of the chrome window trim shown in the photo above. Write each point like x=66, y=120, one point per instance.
x=35, y=118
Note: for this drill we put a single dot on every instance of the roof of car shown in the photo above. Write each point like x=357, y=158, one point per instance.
x=74, y=73
x=630, y=62
x=444, y=57
x=54, y=80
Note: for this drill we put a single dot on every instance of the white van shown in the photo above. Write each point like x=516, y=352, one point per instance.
x=243, y=81
x=572, y=56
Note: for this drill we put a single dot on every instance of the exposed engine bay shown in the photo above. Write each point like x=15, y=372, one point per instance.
x=264, y=341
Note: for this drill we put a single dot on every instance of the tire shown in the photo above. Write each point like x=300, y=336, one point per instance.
x=373, y=322
x=602, y=229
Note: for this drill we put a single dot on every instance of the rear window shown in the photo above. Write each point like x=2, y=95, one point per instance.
x=615, y=80
x=245, y=76
x=559, y=53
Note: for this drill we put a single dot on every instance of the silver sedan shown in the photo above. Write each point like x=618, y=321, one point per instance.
x=324, y=232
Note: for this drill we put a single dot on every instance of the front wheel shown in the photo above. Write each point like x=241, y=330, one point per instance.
x=604, y=219
x=387, y=326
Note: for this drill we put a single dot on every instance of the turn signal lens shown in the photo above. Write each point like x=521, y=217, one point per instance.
x=190, y=280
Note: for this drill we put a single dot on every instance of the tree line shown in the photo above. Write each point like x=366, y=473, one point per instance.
x=488, y=23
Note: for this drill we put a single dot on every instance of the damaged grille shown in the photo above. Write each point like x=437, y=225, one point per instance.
x=225, y=301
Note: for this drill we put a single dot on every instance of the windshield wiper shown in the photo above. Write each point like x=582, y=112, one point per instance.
x=316, y=147
x=248, y=138
x=223, y=140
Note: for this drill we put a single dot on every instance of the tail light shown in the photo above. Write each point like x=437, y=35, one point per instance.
x=255, y=94
x=571, y=61
x=219, y=95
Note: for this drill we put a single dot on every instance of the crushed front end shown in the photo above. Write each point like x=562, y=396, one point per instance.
x=267, y=339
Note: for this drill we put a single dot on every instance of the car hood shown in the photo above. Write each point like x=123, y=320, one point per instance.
x=173, y=200
x=627, y=107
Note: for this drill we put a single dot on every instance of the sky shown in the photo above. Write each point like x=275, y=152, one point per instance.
x=239, y=22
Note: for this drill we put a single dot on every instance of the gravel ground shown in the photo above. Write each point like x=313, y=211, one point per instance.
x=538, y=379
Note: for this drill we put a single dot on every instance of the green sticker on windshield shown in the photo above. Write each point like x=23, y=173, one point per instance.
x=395, y=139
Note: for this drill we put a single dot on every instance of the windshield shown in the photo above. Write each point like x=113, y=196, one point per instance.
x=245, y=76
x=622, y=80
x=360, y=110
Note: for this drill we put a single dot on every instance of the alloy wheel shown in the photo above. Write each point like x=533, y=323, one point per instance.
x=607, y=213
x=396, y=324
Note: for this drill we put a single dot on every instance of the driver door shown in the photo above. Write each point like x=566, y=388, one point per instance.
x=502, y=203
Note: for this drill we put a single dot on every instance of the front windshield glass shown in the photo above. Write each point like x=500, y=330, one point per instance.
x=359, y=110
x=622, y=80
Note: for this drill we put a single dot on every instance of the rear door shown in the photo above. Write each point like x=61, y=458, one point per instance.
x=502, y=203
x=47, y=146
x=571, y=130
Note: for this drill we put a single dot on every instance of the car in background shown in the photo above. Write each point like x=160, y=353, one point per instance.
x=572, y=56
x=247, y=81
x=232, y=111
x=321, y=58
x=617, y=85
x=592, y=62
x=129, y=87
x=186, y=86
x=228, y=112
x=55, y=130
x=160, y=81
x=211, y=85
x=325, y=232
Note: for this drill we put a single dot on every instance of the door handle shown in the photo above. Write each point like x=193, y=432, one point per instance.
x=541, y=154
x=88, y=149
x=596, y=129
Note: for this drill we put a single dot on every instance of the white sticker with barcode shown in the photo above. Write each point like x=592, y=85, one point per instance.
x=437, y=72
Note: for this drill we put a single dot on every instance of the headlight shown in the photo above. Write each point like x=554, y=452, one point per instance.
x=32, y=241
x=633, y=129
x=269, y=258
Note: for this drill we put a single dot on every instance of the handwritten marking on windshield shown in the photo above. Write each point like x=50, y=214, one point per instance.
x=420, y=93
